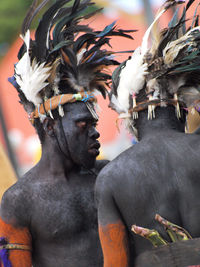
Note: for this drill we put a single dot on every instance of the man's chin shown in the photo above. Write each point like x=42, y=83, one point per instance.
x=94, y=152
x=90, y=162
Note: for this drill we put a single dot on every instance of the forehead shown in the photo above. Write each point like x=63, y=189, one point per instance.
x=77, y=111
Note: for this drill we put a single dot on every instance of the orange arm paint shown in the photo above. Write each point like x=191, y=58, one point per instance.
x=114, y=245
x=14, y=235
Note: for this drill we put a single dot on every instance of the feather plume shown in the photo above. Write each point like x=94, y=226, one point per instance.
x=72, y=59
x=44, y=27
x=31, y=77
x=187, y=41
x=189, y=95
x=168, y=70
x=132, y=78
x=163, y=9
x=33, y=10
x=115, y=105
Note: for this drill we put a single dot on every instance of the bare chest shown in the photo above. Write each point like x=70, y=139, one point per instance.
x=63, y=210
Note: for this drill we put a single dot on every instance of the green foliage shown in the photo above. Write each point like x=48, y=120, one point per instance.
x=11, y=17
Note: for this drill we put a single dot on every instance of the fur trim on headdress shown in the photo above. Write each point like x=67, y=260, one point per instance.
x=65, y=57
x=168, y=72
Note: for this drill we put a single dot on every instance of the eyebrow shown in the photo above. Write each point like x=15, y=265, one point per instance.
x=84, y=117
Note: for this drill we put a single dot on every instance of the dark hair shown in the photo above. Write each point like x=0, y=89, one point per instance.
x=40, y=130
x=38, y=125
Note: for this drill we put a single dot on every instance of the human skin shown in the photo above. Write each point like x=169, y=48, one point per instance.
x=160, y=175
x=54, y=201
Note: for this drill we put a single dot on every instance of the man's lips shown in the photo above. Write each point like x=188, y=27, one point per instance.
x=94, y=149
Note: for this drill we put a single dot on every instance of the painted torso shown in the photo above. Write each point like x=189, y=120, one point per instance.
x=62, y=219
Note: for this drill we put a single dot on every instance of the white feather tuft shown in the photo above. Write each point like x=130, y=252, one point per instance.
x=61, y=111
x=132, y=78
x=79, y=56
x=114, y=103
x=144, y=46
x=31, y=77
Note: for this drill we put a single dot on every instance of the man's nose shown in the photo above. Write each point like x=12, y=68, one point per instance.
x=93, y=133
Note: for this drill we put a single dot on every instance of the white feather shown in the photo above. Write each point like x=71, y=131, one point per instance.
x=116, y=105
x=144, y=46
x=61, y=111
x=31, y=77
x=79, y=56
x=132, y=78
x=48, y=32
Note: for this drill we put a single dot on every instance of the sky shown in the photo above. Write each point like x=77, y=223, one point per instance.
x=133, y=6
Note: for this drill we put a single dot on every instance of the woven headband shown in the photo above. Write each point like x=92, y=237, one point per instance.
x=56, y=101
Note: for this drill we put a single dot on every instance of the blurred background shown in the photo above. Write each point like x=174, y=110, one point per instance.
x=19, y=144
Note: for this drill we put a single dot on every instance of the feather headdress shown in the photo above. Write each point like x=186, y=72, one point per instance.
x=166, y=73
x=66, y=61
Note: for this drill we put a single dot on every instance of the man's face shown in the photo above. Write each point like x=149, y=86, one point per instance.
x=80, y=134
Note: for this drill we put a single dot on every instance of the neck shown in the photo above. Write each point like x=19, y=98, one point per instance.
x=54, y=160
x=165, y=119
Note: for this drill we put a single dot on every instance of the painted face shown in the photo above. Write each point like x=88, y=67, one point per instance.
x=80, y=134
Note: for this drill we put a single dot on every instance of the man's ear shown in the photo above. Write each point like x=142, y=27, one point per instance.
x=48, y=126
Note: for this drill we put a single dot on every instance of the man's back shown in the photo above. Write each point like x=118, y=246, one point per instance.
x=160, y=175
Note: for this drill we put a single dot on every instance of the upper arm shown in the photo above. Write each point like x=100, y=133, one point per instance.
x=14, y=229
x=112, y=230
x=14, y=208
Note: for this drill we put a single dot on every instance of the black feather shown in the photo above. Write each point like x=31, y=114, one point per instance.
x=168, y=36
x=26, y=22
x=123, y=52
x=75, y=7
x=64, y=21
x=174, y=19
x=60, y=14
x=116, y=77
x=102, y=90
x=98, y=45
x=31, y=14
x=183, y=22
x=85, y=38
x=61, y=45
x=71, y=55
x=196, y=21
x=106, y=30
x=61, y=49
x=189, y=4
x=195, y=17
x=120, y=33
x=44, y=27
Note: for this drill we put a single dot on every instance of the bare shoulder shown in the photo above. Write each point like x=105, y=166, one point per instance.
x=111, y=174
x=14, y=204
x=100, y=164
x=133, y=166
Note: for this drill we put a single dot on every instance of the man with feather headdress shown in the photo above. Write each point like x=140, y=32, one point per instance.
x=48, y=218
x=152, y=92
